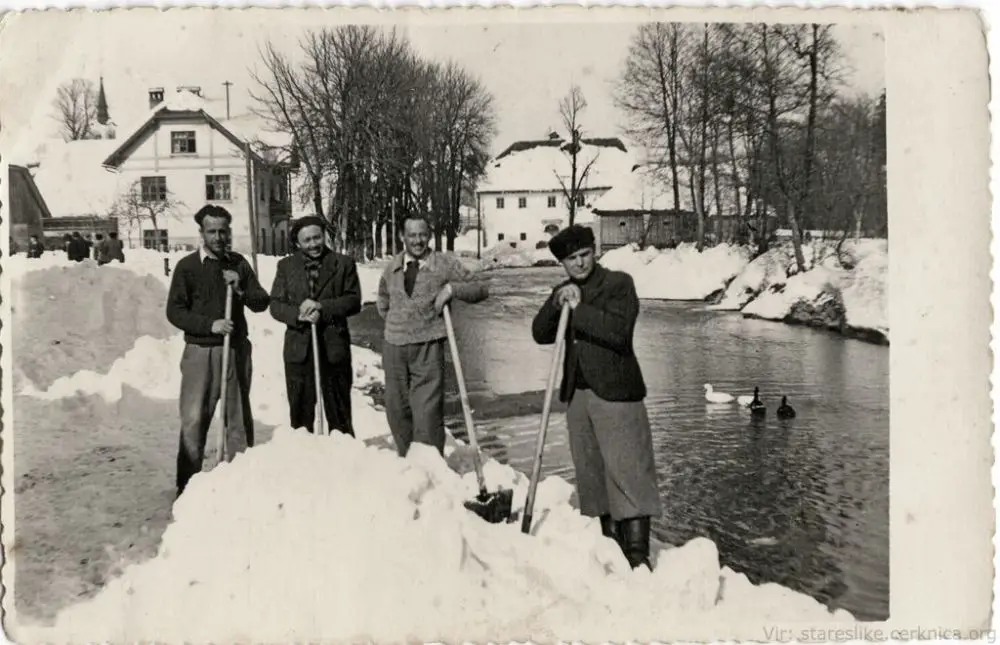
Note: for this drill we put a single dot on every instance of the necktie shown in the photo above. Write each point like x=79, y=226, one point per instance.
x=410, y=276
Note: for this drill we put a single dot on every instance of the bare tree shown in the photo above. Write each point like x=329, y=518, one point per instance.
x=570, y=109
x=135, y=207
x=76, y=109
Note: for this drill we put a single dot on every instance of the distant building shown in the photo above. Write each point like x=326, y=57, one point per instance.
x=183, y=157
x=180, y=154
x=28, y=210
x=522, y=200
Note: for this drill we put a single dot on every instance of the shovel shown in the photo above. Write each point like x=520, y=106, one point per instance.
x=319, y=386
x=225, y=378
x=536, y=470
x=492, y=507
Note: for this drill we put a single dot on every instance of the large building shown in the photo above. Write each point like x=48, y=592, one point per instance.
x=185, y=152
x=523, y=198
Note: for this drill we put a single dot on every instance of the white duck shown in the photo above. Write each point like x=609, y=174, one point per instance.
x=717, y=397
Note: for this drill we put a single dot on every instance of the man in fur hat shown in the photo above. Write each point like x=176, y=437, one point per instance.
x=316, y=285
x=610, y=439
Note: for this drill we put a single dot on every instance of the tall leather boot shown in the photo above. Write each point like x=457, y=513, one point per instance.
x=609, y=527
x=635, y=541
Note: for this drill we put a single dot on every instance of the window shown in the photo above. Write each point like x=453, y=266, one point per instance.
x=580, y=199
x=551, y=201
x=218, y=188
x=522, y=202
x=500, y=237
x=499, y=202
x=154, y=189
x=155, y=239
x=524, y=236
x=182, y=143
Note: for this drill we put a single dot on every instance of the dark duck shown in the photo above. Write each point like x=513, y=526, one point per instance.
x=757, y=408
x=785, y=411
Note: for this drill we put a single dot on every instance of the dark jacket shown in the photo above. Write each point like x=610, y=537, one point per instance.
x=197, y=298
x=598, y=337
x=339, y=295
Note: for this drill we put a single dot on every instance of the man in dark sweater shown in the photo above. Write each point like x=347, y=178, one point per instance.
x=412, y=293
x=196, y=304
x=610, y=439
x=316, y=285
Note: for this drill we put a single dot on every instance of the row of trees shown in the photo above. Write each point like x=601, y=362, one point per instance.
x=378, y=132
x=752, y=118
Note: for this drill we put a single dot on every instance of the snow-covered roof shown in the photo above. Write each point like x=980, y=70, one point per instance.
x=640, y=190
x=539, y=168
x=71, y=179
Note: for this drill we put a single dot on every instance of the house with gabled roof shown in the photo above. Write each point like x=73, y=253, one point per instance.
x=522, y=200
x=183, y=156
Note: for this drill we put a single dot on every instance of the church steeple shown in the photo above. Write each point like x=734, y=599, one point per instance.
x=102, y=106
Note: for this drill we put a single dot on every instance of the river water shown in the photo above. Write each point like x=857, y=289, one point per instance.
x=803, y=503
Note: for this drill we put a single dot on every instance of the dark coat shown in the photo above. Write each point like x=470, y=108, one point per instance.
x=599, y=336
x=339, y=295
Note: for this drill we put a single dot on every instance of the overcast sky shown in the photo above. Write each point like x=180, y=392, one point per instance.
x=527, y=67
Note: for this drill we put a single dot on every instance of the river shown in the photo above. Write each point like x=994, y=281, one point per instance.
x=803, y=503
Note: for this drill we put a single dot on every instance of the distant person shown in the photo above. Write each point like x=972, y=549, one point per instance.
x=196, y=304
x=115, y=250
x=412, y=293
x=317, y=285
x=78, y=249
x=35, y=247
x=609, y=435
x=66, y=243
x=100, y=250
x=89, y=241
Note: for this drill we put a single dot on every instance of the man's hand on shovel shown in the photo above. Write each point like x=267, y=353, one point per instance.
x=443, y=298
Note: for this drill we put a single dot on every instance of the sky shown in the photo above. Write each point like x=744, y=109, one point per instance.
x=527, y=66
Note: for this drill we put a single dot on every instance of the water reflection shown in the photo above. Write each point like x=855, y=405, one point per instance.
x=801, y=502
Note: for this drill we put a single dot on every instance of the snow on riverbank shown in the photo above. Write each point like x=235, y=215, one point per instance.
x=307, y=538
x=846, y=293
x=678, y=274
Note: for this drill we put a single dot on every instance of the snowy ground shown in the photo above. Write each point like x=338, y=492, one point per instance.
x=307, y=538
x=846, y=293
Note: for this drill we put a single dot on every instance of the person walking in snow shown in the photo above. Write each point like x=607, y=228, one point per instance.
x=316, y=285
x=35, y=247
x=610, y=439
x=115, y=250
x=412, y=293
x=196, y=305
x=101, y=250
x=78, y=248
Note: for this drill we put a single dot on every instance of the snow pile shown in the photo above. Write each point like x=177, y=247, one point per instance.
x=770, y=268
x=681, y=273
x=504, y=256
x=249, y=541
x=843, y=292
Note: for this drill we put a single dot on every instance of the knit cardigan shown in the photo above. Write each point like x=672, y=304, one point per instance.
x=412, y=319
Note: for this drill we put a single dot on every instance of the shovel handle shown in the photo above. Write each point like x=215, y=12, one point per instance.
x=224, y=390
x=536, y=470
x=316, y=377
x=470, y=427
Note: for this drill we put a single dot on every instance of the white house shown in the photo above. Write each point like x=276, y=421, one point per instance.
x=182, y=156
x=522, y=200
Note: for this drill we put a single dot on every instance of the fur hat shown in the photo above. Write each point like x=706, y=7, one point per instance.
x=570, y=240
x=302, y=222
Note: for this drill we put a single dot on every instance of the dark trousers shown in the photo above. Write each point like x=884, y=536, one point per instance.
x=201, y=387
x=414, y=393
x=336, y=381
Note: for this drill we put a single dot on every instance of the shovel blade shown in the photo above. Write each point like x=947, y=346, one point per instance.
x=493, y=507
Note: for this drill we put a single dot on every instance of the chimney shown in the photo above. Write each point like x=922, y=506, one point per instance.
x=155, y=96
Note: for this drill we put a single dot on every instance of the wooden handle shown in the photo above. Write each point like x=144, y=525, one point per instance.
x=224, y=392
x=466, y=408
x=319, y=387
x=536, y=470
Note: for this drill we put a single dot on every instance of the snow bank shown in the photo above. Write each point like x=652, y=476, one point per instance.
x=248, y=541
x=681, y=273
x=504, y=256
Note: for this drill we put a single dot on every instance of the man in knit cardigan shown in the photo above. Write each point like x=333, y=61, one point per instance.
x=196, y=304
x=412, y=293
